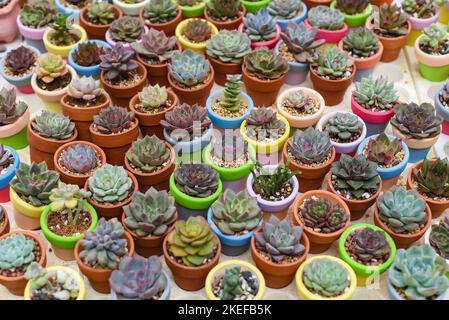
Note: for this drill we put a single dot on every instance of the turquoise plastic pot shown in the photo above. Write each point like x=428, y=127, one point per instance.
x=91, y=71
x=227, y=123
x=394, y=295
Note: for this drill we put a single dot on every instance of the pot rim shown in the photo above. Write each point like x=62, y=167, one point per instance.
x=299, y=18
x=119, y=3
x=47, y=141
x=117, y=87
x=378, y=115
x=354, y=18
x=242, y=13
x=105, y=135
x=55, y=93
x=417, y=23
x=73, y=109
x=326, y=32
x=193, y=8
x=55, y=48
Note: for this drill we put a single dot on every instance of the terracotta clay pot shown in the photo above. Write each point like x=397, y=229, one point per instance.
x=8, y=16
x=357, y=207
x=226, y=25
x=150, y=122
x=278, y=275
x=190, y=278
x=314, y=3
x=97, y=31
x=168, y=27
x=380, y=2
x=222, y=69
x=319, y=242
x=5, y=226
x=16, y=285
x=109, y=211
x=82, y=117
x=263, y=92
x=115, y=145
x=43, y=149
x=99, y=277
x=73, y=178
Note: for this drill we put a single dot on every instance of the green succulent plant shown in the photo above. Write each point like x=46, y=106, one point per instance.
x=326, y=277
x=231, y=284
x=435, y=38
x=110, y=184
x=223, y=9
x=285, y=9
x=126, y=29
x=376, y=94
x=390, y=21
x=263, y=124
x=198, y=180
x=264, y=64
x=301, y=102
x=16, y=251
x=419, y=8
x=232, y=93
x=432, y=178
x=439, y=237
x=383, y=151
x=69, y=197
x=36, y=14
x=333, y=64
x=260, y=26
x=344, y=126
x=160, y=11
x=361, y=42
x=189, y=3
x=326, y=18
x=148, y=154
x=52, y=125
x=229, y=46
x=10, y=109
x=100, y=13
x=310, y=146
x=153, y=97
x=323, y=216
x=62, y=30
x=50, y=67
x=189, y=68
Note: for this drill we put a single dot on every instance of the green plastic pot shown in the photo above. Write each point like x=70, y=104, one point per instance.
x=193, y=12
x=355, y=20
x=436, y=74
x=363, y=272
x=253, y=6
x=17, y=141
x=192, y=202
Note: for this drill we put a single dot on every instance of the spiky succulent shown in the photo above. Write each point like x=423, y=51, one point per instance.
x=333, y=64
x=52, y=125
x=139, y=278
x=344, y=127
x=358, y=176
x=189, y=68
x=369, y=245
x=148, y=154
x=417, y=121
x=117, y=63
x=153, y=97
x=326, y=18
x=352, y=7
x=50, y=67
x=236, y=213
x=105, y=245
x=126, y=29
x=264, y=64
x=323, y=216
x=390, y=21
x=433, y=177
x=232, y=93
x=36, y=14
x=79, y=158
x=376, y=94
x=229, y=46
x=310, y=146
x=419, y=8
x=197, y=180
x=383, y=151
x=113, y=119
x=419, y=272
x=100, y=13
x=280, y=239
x=223, y=10
x=110, y=184
x=192, y=241
x=34, y=183
x=285, y=9
x=156, y=46
x=263, y=124
x=62, y=28
x=197, y=30
x=361, y=42
x=435, y=39
x=229, y=147
x=439, y=237
x=6, y=159
x=84, y=88
x=301, y=41
x=326, y=277
x=20, y=61
x=260, y=26
x=150, y=213
x=10, y=110
x=16, y=251
x=88, y=54
x=160, y=11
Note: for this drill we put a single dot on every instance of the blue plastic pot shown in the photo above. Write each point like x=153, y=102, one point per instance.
x=394, y=295
x=6, y=178
x=227, y=123
x=284, y=22
x=297, y=72
x=417, y=154
x=68, y=11
x=92, y=71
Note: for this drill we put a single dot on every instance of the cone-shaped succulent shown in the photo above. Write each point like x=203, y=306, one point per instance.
x=439, y=237
x=196, y=179
x=323, y=216
x=10, y=110
x=326, y=277
x=148, y=154
x=433, y=177
x=310, y=146
x=110, y=184
x=113, y=120
x=53, y=125
x=383, y=151
x=369, y=246
x=79, y=158
x=417, y=121
x=156, y=46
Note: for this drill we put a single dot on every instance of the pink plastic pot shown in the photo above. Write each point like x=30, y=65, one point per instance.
x=376, y=122
x=269, y=44
x=126, y=46
x=331, y=36
x=33, y=37
x=8, y=16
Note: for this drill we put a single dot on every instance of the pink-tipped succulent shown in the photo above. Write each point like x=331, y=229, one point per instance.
x=79, y=158
x=382, y=150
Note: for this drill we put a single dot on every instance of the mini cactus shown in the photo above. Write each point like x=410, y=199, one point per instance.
x=52, y=125
x=16, y=252
x=79, y=158
x=383, y=151
x=113, y=120
x=148, y=154
x=84, y=88
x=110, y=184
x=196, y=179
x=310, y=146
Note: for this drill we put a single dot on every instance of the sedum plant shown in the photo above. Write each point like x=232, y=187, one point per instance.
x=153, y=97
x=156, y=46
x=383, y=151
x=376, y=94
x=323, y=216
x=260, y=26
x=229, y=46
x=439, y=237
x=197, y=30
x=279, y=239
x=117, y=63
x=50, y=67
x=325, y=18
x=16, y=251
x=88, y=54
x=20, y=61
x=150, y=213
x=333, y=64
x=310, y=146
x=70, y=199
x=390, y=21
x=105, y=246
x=52, y=125
x=222, y=10
x=434, y=40
x=326, y=277
x=370, y=246
x=110, y=184
x=100, y=13
x=113, y=120
x=357, y=176
x=236, y=213
x=126, y=29
x=192, y=241
x=263, y=124
x=36, y=14
x=419, y=8
x=264, y=64
x=344, y=127
x=160, y=11
x=417, y=121
x=149, y=153
x=85, y=89
x=419, y=273
x=361, y=42
x=352, y=7
x=189, y=68
x=197, y=180
x=80, y=158
x=433, y=177
x=285, y=9
x=10, y=110
x=232, y=93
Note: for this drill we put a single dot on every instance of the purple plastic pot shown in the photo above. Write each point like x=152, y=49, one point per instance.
x=420, y=24
x=33, y=37
x=126, y=46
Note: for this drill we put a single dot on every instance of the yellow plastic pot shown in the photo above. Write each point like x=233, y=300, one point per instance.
x=232, y=263
x=23, y=207
x=444, y=15
x=82, y=291
x=185, y=43
x=63, y=51
x=305, y=294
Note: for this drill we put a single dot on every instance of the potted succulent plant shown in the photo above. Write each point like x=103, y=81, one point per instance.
x=346, y=131
x=148, y=218
x=330, y=23
x=152, y=161
x=311, y=153
x=191, y=250
x=437, y=237
x=254, y=6
x=18, y=67
x=9, y=162
x=297, y=45
x=332, y=72
x=287, y=11
x=369, y=251
x=324, y=216
x=130, y=7
x=421, y=14
x=8, y=15
x=356, y=12
x=111, y=188
x=432, y=53
x=30, y=192
x=85, y=57
x=191, y=77
x=418, y=126
x=100, y=251
x=261, y=28
x=225, y=15
x=195, y=187
x=278, y=248
x=191, y=8
x=75, y=161
x=5, y=225
x=403, y=215
x=18, y=249
x=71, y=7
x=67, y=218
x=234, y=217
x=125, y=30
x=51, y=79
x=84, y=99
x=441, y=105
x=163, y=15
x=389, y=153
x=235, y=280
x=53, y=283
x=13, y=127
x=96, y=18
x=194, y=32
x=46, y=133
x=407, y=282
x=325, y=278
x=356, y=181
x=391, y=25
x=138, y=278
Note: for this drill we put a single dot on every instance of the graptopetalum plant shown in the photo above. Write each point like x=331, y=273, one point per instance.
x=197, y=30
x=160, y=11
x=117, y=63
x=260, y=26
x=36, y=14
x=263, y=124
x=52, y=125
x=264, y=64
x=419, y=8
x=368, y=246
x=285, y=9
x=390, y=21
x=432, y=178
x=10, y=109
x=439, y=237
x=110, y=184
x=198, y=180
x=155, y=46
x=344, y=127
x=228, y=46
x=148, y=154
x=189, y=68
x=323, y=216
x=16, y=252
x=333, y=64
x=376, y=94
x=79, y=158
x=126, y=29
x=88, y=54
x=20, y=61
x=310, y=146
x=384, y=151
x=113, y=120
x=326, y=18
x=223, y=10
x=86, y=90
x=352, y=7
